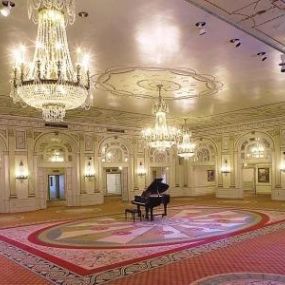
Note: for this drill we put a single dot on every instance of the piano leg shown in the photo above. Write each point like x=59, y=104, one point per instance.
x=146, y=213
x=139, y=212
x=165, y=210
x=151, y=214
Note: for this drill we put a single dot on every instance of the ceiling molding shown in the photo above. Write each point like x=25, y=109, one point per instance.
x=244, y=21
x=141, y=82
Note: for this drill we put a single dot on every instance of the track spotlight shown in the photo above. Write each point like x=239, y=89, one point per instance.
x=202, y=28
x=282, y=64
x=262, y=55
x=83, y=14
x=236, y=42
x=7, y=7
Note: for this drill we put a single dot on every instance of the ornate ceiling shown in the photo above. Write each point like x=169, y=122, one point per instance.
x=142, y=82
x=139, y=44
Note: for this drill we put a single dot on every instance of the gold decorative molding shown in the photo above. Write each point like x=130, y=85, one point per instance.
x=141, y=82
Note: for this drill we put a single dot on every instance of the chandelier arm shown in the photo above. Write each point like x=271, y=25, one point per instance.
x=49, y=82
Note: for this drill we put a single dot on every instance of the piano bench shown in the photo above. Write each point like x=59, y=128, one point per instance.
x=133, y=212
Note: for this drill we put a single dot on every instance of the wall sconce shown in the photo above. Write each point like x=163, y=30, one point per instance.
x=225, y=168
x=89, y=171
x=141, y=170
x=282, y=167
x=21, y=173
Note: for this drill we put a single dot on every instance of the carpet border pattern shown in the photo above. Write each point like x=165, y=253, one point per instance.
x=239, y=276
x=58, y=275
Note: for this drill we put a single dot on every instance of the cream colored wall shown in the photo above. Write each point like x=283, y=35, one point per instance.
x=25, y=140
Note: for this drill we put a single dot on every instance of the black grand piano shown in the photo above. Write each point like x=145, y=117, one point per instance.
x=152, y=197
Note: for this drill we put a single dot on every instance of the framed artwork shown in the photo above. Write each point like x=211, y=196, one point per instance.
x=211, y=175
x=263, y=175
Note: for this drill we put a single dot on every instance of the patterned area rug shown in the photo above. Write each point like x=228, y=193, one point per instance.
x=95, y=251
x=182, y=225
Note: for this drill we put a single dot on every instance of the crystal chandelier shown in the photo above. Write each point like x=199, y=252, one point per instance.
x=161, y=136
x=257, y=151
x=50, y=82
x=185, y=147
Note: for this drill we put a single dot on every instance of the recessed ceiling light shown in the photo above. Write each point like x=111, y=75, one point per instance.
x=262, y=55
x=6, y=9
x=236, y=42
x=83, y=14
x=282, y=64
x=201, y=26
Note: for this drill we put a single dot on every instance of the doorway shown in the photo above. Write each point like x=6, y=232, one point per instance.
x=248, y=180
x=114, y=184
x=56, y=187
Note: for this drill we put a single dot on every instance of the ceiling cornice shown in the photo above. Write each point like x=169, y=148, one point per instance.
x=225, y=16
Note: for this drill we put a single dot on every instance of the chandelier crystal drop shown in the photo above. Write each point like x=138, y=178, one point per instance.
x=50, y=82
x=185, y=148
x=161, y=137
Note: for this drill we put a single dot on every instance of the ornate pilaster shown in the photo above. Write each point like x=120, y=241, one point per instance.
x=11, y=150
x=176, y=170
x=135, y=164
x=232, y=164
x=278, y=155
x=30, y=162
x=82, y=164
x=185, y=172
x=96, y=164
x=219, y=162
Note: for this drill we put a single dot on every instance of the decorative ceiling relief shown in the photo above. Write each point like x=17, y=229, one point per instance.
x=142, y=82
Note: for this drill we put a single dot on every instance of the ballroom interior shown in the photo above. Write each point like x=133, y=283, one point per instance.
x=111, y=110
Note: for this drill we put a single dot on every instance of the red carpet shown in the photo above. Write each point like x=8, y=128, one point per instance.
x=189, y=245
x=264, y=254
x=13, y=274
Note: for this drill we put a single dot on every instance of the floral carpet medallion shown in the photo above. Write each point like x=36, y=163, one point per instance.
x=94, y=251
x=242, y=279
x=181, y=226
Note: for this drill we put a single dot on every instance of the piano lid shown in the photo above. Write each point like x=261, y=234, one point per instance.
x=157, y=186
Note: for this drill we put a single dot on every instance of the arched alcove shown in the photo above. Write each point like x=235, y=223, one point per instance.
x=115, y=167
x=255, y=157
x=4, y=175
x=56, y=157
x=113, y=150
x=202, y=168
x=56, y=138
x=205, y=153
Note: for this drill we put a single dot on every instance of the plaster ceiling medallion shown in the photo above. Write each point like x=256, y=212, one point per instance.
x=141, y=82
x=50, y=82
